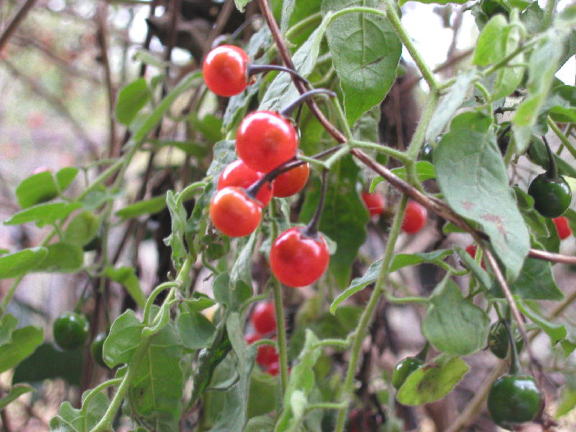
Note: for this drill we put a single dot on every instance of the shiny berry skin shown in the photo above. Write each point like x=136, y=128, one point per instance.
x=513, y=400
x=403, y=369
x=225, y=70
x=267, y=355
x=415, y=218
x=552, y=196
x=264, y=317
x=298, y=260
x=499, y=342
x=291, y=182
x=265, y=139
x=240, y=175
x=562, y=227
x=234, y=213
x=273, y=369
x=70, y=330
x=374, y=202
x=96, y=348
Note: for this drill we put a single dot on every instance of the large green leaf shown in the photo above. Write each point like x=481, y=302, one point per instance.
x=473, y=179
x=155, y=392
x=365, y=52
x=23, y=343
x=131, y=99
x=36, y=189
x=452, y=324
x=345, y=227
x=433, y=381
x=43, y=214
x=124, y=337
x=536, y=282
x=70, y=419
x=21, y=262
x=195, y=330
x=62, y=257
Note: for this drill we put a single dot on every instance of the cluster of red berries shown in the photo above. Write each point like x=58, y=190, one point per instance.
x=263, y=320
x=265, y=140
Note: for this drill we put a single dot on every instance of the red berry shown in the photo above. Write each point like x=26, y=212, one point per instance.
x=234, y=213
x=414, y=218
x=240, y=175
x=266, y=355
x=265, y=140
x=273, y=369
x=298, y=260
x=291, y=182
x=562, y=227
x=374, y=202
x=225, y=70
x=471, y=249
x=252, y=337
x=264, y=317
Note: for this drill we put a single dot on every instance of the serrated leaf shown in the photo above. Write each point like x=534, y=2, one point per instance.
x=127, y=277
x=432, y=381
x=365, y=53
x=453, y=324
x=472, y=176
x=131, y=99
x=62, y=257
x=14, y=393
x=23, y=343
x=21, y=262
x=123, y=339
x=43, y=214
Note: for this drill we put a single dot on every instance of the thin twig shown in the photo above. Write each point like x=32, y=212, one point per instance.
x=16, y=21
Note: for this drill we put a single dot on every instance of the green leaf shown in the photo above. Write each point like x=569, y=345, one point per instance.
x=144, y=207
x=346, y=228
x=556, y=332
x=7, y=325
x=424, y=171
x=538, y=155
x=567, y=401
x=542, y=67
x=131, y=99
x=43, y=214
x=365, y=52
x=155, y=392
x=452, y=324
x=62, y=257
x=70, y=419
x=473, y=179
x=196, y=331
x=36, y=189
x=536, y=282
x=14, y=393
x=82, y=229
x=154, y=118
x=432, y=381
x=302, y=382
x=176, y=238
x=509, y=78
x=491, y=46
x=436, y=257
x=48, y=362
x=476, y=269
x=65, y=177
x=241, y=4
x=123, y=339
x=449, y=104
x=281, y=91
x=23, y=343
x=230, y=294
x=242, y=268
x=127, y=277
x=21, y=262
x=260, y=424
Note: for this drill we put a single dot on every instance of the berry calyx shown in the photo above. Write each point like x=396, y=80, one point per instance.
x=374, y=202
x=239, y=174
x=225, y=70
x=298, y=259
x=291, y=182
x=514, y=400
x=234, y=213
x=264, y=317
x=70, y=330
x=562, y=227
x=265, y=140
x=415, y=218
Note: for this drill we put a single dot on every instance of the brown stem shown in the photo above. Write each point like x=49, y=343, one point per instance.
x=16, y=21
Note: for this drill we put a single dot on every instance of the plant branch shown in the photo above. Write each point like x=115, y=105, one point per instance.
x=16, y=21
